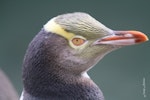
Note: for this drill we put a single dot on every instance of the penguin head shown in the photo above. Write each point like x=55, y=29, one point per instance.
x=86, y=40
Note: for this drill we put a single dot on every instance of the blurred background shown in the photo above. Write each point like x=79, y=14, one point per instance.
x=120, y=74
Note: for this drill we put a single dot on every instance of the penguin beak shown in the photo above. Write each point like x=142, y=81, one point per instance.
x=123, y=38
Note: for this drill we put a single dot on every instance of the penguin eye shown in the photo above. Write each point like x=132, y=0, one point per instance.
x=78, y=41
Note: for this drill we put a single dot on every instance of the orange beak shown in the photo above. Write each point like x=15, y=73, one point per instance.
x=124, y=38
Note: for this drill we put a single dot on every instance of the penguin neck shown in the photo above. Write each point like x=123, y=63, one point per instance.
x=45, y=84
x=42, y=82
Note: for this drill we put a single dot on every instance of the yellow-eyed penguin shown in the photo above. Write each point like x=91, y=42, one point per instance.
x=58, y=58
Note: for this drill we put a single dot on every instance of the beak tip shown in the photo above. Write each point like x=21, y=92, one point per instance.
x=141, y=37
x=147, y=39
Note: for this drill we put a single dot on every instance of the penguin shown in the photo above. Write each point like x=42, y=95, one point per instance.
x=58, y=58
x=7, y=91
